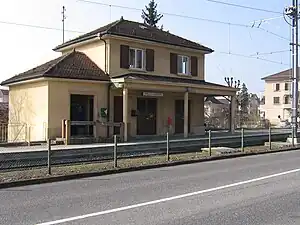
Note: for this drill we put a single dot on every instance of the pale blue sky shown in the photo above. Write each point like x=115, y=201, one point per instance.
x=25, y=47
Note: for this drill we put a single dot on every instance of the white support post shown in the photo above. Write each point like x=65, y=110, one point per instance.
x=125, y=113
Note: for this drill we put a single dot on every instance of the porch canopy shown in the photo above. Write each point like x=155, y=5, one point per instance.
x=146, y=82
x=139, y=81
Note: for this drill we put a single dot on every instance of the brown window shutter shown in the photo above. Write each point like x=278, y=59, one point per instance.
x=173, y=63
x=194, y=66
x=124, y=56
x=149, y=59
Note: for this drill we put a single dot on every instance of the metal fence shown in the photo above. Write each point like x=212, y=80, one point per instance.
x=212, y=144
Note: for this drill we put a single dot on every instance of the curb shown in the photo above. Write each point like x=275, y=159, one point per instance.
x=131, y=169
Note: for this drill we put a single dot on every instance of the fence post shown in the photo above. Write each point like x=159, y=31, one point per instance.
x=115, y=151
x=209, y=142
x=67, y=132
x=270, y=138
x=242, y=141
x=49, y=156
x=63, y=128
x=28, y=135
x=168, y=147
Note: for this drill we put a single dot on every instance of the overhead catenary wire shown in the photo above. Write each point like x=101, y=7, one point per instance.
x=81, y=32
x=244, y=6
x=252, y=57
x=186, y=17
x=270, y=53
x=38, y=26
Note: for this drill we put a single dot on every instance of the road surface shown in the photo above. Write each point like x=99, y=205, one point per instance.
x=256, y=190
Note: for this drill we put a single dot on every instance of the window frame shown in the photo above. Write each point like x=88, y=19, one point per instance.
x=287, y=86
x=143, y=60
x=276, y=103
x=275, y=88
x=188, y=72
x=287, y=97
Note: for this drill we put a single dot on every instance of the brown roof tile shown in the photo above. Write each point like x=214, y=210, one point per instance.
x=74, y=65
x=137, y=30
x=283, y=75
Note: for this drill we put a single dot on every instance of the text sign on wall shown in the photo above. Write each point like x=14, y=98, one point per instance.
x=153, y=94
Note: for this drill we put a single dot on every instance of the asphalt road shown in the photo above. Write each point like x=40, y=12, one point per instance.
x=251, y=190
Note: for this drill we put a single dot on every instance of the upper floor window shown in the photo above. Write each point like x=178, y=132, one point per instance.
x=183, y=65
x=137, y=58
x=276, y=100
x=287, y=99
x=277, y=87
x=287, y=86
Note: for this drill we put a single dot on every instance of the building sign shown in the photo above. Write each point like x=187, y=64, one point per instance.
x=103, y=112
x=153, y=94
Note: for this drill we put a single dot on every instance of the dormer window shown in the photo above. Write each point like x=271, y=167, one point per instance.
x=137, y=58
x=183, y=64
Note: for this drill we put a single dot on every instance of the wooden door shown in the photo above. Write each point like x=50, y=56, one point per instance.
x=146, y=116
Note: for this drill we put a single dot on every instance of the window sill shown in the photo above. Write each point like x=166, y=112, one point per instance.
x=137, y=69
x=184, y=75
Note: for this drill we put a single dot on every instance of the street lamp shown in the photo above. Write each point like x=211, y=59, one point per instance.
x=234, y=84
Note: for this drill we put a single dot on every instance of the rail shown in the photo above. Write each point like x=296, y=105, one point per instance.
x=99, y=153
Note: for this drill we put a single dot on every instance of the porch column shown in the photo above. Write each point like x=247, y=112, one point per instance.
x=232, y=113
x=125, y=113
x=186, y=114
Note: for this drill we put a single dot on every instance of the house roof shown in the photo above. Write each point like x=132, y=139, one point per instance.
x=74, y=65
x=283, y=75
x=159, y=78
x=214, y=100
x=137, y=30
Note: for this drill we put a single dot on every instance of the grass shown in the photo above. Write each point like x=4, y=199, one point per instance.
x=105, y=166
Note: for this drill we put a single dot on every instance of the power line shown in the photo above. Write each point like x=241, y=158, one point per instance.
x=186, y=17
x=165, y=13
x=251, y=57
x=80, y=32
x=244, y=6
x=38, y=26
x=270, y=53
x=277, y=35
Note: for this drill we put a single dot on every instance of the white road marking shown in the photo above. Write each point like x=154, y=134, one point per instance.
x=167, y=199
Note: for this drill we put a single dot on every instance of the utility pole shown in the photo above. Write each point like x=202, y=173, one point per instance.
x=292, y=13
x=63, y=21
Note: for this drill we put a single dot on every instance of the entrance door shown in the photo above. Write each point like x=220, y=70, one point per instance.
x=118, y=112
x=82, y=109
x=146, y=116
x=179, y=116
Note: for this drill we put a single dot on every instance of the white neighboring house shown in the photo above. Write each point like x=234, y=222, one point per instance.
x=4, y=95
x=277, y=97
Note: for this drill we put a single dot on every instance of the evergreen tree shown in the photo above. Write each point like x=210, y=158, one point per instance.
x=243, y=99
x=150, y=15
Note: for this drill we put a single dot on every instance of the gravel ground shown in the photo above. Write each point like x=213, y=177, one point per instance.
x=122, y=163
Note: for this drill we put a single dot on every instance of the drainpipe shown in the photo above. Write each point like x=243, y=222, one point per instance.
x=99, y=35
